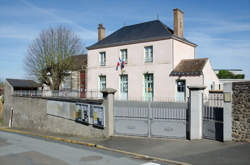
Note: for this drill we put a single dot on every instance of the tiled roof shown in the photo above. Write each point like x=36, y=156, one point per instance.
x=189, y=67
x=20, y=83
x=143, y=32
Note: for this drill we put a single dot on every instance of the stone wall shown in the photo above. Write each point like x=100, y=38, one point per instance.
x=32, y=113
x=241, y=111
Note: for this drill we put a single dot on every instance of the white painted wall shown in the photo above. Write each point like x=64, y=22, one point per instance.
x=190, y=81
x=162, y=65
x=210, y=77
x=182, y=51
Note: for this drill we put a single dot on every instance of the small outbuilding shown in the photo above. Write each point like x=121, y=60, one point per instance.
x=22, y=87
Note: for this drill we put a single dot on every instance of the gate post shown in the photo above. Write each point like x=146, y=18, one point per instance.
x=108, y=102
x=195, y=111
x=227, y=112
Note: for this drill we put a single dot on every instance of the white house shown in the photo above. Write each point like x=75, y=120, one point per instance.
x=159, y=62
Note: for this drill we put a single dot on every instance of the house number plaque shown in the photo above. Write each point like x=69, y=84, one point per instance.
x=227, y=96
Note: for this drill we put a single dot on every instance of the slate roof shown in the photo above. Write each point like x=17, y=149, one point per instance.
x=143, y=32
x=20, y=83
x=79, y=62
x=189, y=67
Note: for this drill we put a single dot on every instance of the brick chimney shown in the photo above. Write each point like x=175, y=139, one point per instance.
x=178, y=22
x=101, y=32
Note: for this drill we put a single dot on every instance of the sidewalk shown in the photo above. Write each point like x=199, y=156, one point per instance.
x=194, y=152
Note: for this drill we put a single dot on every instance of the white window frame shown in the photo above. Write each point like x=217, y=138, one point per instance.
x=148, y=56
x=152, y=85
x=122, y=55
x=100, y=82
x=102, y=58
x=122, y=83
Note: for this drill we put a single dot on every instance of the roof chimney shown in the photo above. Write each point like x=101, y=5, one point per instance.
x=178, y=22
x=101, y=32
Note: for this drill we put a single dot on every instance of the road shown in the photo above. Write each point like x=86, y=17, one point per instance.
x=25, y=150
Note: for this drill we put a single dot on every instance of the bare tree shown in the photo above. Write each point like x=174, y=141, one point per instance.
x=49, y=55
x=1, y=83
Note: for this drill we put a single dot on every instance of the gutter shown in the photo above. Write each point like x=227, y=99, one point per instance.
x=95, y=46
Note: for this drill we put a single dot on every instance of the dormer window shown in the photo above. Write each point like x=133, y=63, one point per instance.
x=102, y=58
x=148, y=57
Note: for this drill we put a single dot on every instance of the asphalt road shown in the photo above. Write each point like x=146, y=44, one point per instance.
x=196, y=152
x=24, y=150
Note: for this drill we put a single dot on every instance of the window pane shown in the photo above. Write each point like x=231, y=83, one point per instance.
x=124, y=83
x=124, y=55
x=149, y=87
x=149, y=54
x=102, y=82
x=149, y=84
x=180, y=86
x=102, y=58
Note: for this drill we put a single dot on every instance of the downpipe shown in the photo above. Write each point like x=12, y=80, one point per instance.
x=11, y=117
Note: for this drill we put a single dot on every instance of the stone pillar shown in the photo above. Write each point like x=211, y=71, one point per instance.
x=227, y=112
x=108, y=102
x=195, y=111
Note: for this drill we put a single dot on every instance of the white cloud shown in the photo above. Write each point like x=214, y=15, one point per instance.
x=223, y=40
x=223, y=52
x=18, y=31
x=219, y=25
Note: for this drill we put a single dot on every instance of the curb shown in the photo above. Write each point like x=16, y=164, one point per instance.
x=134, y=155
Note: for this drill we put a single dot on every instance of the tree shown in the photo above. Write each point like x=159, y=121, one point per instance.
x=49, y=56
x=1, y=84
x=225, y=74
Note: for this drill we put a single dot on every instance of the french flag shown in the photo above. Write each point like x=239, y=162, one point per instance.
x=118, y=64
x=123, y=64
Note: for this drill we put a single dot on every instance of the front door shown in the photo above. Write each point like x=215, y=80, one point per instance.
x=124, y=87
x=181, y=90
x=148, y=87
x=82, y=85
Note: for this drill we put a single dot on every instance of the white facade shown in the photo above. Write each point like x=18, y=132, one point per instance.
x=166, y=55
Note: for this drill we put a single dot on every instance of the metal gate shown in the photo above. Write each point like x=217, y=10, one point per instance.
x=213, y=117
x=150, y=119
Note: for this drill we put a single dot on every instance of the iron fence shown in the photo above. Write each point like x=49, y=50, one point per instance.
x=155, y=99
x=214, y=99
x=93, y=94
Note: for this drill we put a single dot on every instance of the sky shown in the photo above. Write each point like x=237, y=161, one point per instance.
x=220, y=28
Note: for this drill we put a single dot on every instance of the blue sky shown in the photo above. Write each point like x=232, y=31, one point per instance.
x=221, y=28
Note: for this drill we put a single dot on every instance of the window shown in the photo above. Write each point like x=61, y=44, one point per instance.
x=181, y=86
x=124, y=55
x=148, y=54
x=149, y=87
x=67, y=81
x=181, y=90
x=103, y=58
x=124, y=87
x=102, y=82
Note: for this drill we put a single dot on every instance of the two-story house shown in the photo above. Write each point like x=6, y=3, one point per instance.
x=159, y=63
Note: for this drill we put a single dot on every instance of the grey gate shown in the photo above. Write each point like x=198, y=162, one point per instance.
x=150, y=119
x=213, y=117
